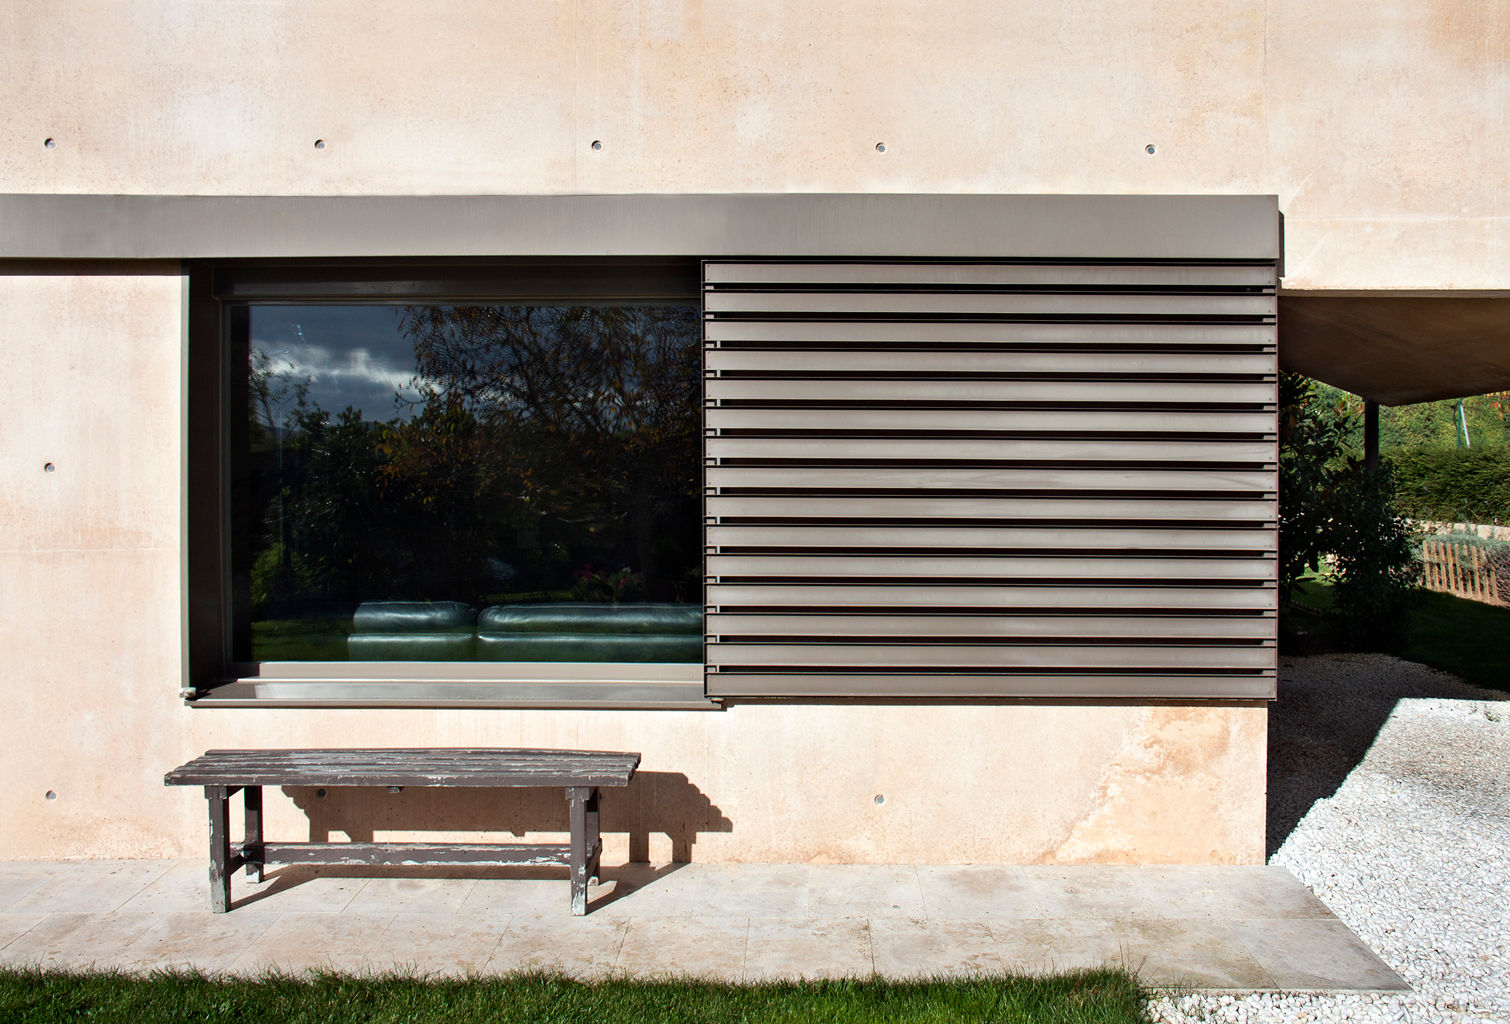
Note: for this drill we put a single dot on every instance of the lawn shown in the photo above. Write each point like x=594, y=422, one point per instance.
x=1085, y=997
x=1469, y=639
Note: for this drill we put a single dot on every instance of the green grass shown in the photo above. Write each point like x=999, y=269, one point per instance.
x=37, y=997
x=1469, y=639
x=1466, y=638
x=300, y=639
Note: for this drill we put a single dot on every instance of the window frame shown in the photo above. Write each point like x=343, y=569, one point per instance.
x=217, y=290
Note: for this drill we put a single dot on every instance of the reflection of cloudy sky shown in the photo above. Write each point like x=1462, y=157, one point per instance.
x=349, y=355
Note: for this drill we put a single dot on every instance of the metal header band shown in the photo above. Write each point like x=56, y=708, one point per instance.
x=790, y=226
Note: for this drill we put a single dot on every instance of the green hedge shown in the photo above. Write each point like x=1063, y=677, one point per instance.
x=1455, y=485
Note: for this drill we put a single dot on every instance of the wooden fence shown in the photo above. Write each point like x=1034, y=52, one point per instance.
x=1464, y=570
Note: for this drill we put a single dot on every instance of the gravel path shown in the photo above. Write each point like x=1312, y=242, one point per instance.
x=1390, y=797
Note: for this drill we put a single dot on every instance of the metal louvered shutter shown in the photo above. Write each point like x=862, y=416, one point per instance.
x=1011, y=479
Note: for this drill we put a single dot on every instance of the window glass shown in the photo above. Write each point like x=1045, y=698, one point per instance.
x=467, y=482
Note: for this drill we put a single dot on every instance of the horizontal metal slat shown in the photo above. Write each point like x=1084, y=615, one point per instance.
x=1122, y=421
x=1062, y=686
x=913, y=273
x=779, y=351
x=885, y=303
x=857, y=359
x=1070, y=593
x=1257, y=453
x=906, y=392
x=1004, y=567
x=833, y=478
x=839, y=332
x=924, y=506
x=941, y=657
x=823, y=538
x=1260, y=626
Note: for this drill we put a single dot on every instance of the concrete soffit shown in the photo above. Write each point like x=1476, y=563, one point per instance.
x=1397, y=348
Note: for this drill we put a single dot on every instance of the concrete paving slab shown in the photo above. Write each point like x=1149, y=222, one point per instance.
x=926, y=949
x=715, y=890
x=1041, y=946
x=301, y=942
x=1214, y=928
x=184, y=940
x=865, y=890
x=14, y=887
x=432, y=944
x=977, y=893
x=1122, y=891
x=1309, y=953
x=413, y=895
x=291, y=890
x=87, y=886
x=1285, y=895
x=502, y=898
x=701, y=947
x=185, y=889
x=579, y=947
x=812, y=949
x=1192, y=953
x=13, y=926
x=70, y=941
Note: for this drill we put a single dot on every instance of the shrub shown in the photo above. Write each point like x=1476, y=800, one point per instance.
x=1455, y=485
x=1375, y=568
x=1330, y=503
x=1312, y=451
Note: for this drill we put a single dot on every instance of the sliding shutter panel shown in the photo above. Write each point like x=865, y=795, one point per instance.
x=990, y=479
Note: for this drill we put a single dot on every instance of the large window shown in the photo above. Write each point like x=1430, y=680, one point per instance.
x=496, y=469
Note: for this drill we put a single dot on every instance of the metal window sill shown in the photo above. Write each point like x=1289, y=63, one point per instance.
x=454, y=693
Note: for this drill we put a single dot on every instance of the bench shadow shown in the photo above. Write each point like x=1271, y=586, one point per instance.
x=666, y=803
x=1320, y=729
x=616, y=881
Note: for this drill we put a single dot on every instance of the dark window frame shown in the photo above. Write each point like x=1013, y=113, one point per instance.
x=217, y=290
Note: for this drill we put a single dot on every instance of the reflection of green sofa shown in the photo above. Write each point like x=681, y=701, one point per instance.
x=452, y=631
x=591, y=632
x=413, y=631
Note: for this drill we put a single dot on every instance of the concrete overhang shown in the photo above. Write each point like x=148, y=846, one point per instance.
x=1395, y=348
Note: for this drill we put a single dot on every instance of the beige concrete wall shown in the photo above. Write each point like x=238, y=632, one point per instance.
x=1381, y=129
x=91, y=634
x=1382, y=126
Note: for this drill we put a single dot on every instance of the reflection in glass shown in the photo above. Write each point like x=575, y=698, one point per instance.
x=511, y=483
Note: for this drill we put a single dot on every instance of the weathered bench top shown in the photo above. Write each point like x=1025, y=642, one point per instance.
x=427, y=766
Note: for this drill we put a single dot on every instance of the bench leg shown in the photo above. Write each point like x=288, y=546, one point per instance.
x=594, y=839
x=220, y=847
x=252, y=847
x=577, y=798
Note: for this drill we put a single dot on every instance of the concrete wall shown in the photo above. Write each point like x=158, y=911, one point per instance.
x=1382, y=128
x=89, y=709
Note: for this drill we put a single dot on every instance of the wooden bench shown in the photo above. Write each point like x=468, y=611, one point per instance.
x=580, y=772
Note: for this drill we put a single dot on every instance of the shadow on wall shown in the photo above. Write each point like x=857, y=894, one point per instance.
x=666, y=802
x=1327, y=715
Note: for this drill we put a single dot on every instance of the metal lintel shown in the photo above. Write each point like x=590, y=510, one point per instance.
x=788, y=226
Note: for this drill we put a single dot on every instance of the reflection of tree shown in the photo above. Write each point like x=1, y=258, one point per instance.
x=272, y=389
x=543, y=440
x=592, y=415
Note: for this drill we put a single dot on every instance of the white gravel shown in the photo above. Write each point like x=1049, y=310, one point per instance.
x=1399, y=777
